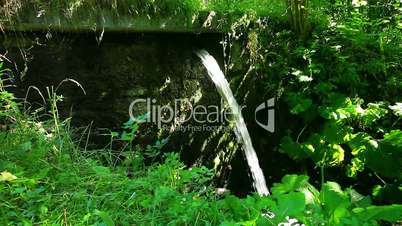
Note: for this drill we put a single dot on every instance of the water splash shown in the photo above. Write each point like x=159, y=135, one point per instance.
x=217, y=76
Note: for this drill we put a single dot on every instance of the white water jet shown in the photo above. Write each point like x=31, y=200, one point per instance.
x=217, y=76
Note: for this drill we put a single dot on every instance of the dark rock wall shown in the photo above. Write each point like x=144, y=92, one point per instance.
x=114, y=72
x=119, y=69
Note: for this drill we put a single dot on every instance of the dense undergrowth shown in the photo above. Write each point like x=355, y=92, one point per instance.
x=46, y=179
x=337, y=76
x=146, y=7
x=140, y=15
x=338, y=83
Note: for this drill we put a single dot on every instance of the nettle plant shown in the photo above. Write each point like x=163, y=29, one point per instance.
x=349, y=123
x=342, y=87
x=350, y=128
x=131, y=151
x=295, y=197
x=346, y=95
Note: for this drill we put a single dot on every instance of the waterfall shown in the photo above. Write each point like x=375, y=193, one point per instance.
x=243, y=137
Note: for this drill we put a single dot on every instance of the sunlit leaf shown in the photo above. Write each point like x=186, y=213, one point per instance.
x=292, y=203
x=397, y=109
x=7, y=176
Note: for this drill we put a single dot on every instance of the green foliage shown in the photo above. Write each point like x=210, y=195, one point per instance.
x=8, y=105
x=330, y=206
x=341, y=84
x=354, y=84
x=54, y=187
x=274, y=8
x=337, y=70
x=340, y=133
x=157, y=14
x=43, y=184
x=45, y=180
x=131, y=127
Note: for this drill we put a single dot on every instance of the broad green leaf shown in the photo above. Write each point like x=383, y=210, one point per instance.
x=356, y=165
x=235, y=205
x=290, y=183
x=293, y=149
x=333, y=197
x=336, y=132
x=105, y=217
x=397, y=109
x=385, y=157
x=298, y=103
x=162, y=194
x=373, y=112
x=334, y=155
x=358, y=200
x=292, y=203
x=340, y=107
x=389, y=213
x=358, y=143
x=311, y=194
x=394, y=138
x=248, y=223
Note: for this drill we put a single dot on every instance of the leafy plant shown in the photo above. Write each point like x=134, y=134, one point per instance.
x=9, y=108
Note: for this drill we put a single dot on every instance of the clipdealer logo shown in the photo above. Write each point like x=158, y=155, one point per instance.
x=269, y=106
x=163, y=115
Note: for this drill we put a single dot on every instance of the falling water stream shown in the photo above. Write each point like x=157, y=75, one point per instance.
x=217, y=76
